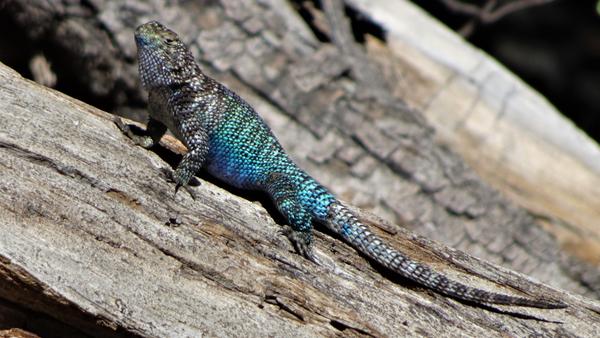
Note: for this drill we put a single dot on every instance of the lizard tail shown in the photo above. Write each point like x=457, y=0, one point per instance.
x=344, y=222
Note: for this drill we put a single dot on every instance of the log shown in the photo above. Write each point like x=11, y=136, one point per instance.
x=340, y=99
x=94, y=236
x=336, y=109
x=511, y=135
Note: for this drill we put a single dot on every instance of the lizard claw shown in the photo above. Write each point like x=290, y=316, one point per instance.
x=302, y=242
x=168, y=173
x=141, y=140
x=186, y=188
x=170, y=176
x=122, y=126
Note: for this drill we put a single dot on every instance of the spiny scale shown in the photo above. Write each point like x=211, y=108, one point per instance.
x=226, y=136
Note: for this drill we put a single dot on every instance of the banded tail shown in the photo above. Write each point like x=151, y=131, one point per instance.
x=342, y=221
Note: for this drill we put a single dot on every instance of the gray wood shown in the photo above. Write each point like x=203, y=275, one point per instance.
x=85, y=221
x=332, y=107
x=86, y=212
x=508, y=133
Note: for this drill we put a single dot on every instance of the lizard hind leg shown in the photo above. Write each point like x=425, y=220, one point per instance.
x=285, y=196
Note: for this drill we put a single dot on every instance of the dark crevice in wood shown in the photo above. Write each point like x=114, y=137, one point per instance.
x=16, y=316
x=360, y=25
x=31, y=293
x=363, y=26
x=306, y=9
x=344, y=328
x=274, y=299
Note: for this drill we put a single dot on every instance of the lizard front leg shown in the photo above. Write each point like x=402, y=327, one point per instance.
x=154, y=131
x=193, y=160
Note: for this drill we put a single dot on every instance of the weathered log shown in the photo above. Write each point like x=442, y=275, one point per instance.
x=512, y=136
x=95, y=236
x=357, y=137
x=356, y=134
x=334, y=107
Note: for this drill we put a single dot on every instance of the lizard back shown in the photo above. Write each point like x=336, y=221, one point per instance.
x=224, y=134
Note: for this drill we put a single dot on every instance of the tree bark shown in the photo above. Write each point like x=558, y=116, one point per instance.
x=94, y=237
x=94, y=227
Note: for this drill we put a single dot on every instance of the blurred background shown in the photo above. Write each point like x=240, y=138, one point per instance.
x=554, y=45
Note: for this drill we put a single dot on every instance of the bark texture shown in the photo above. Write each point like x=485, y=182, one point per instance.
x=93, y=236
x=96, y=236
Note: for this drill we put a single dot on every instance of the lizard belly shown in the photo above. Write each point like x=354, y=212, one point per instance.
x=234, y=166
x=243, y=152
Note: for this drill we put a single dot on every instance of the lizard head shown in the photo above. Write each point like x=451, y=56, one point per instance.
x=163, y=58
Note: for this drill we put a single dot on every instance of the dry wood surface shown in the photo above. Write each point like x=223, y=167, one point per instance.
x=94, y=238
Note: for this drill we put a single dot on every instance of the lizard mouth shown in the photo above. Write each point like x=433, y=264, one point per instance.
x=151, y=32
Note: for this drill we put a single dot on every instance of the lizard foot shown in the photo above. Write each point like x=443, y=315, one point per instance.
x=141, y=140
x=302, y=242
x=170, y=176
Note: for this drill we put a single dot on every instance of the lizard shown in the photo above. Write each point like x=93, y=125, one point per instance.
x=228, y=138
